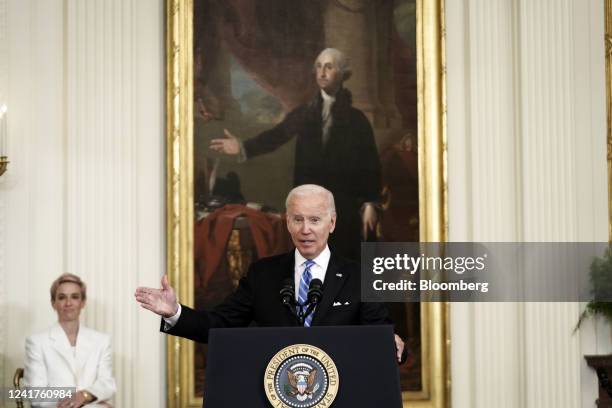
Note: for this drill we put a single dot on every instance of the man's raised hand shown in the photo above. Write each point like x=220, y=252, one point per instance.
x=160, y=301
x=227, y=145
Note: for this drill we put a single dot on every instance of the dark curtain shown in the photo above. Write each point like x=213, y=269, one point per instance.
x=275, y=42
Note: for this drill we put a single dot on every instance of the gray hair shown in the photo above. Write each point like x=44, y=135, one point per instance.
x=341, y=61
x=307, y=190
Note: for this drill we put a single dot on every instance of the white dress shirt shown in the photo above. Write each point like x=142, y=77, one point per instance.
x=326, y=116
x=317, y=270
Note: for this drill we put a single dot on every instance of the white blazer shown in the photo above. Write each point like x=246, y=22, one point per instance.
x=51, y=362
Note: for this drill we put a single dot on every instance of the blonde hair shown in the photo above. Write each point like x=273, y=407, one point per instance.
x=68, y=278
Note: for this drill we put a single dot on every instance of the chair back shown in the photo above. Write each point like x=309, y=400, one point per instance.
x=17, y=384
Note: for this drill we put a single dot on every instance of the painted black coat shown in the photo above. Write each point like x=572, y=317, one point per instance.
x=348, y=164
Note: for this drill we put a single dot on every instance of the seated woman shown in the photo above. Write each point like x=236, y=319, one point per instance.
x=69, y=354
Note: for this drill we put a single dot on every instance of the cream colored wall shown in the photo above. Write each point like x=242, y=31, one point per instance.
x=527, y=162
x=83, y=81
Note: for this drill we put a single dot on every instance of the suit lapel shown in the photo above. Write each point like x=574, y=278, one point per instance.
x=287, y=272
x=84, y=349
x=288, y=266
x=61, y=345
x=317, y=125
x=335, y=278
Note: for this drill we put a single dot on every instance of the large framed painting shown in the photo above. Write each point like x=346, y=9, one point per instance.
x=237, y=73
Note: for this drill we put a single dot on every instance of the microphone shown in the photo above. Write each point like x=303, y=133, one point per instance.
x=315, y=291
x=287, y=293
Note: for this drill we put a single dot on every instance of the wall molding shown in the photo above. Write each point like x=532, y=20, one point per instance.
x=524, y=119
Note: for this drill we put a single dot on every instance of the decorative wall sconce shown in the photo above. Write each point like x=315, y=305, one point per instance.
x=3, y=164
x=3, y=139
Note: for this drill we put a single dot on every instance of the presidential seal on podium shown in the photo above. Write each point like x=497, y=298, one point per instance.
x=301, y=376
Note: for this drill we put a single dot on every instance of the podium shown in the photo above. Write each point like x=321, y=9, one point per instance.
x=357, y=364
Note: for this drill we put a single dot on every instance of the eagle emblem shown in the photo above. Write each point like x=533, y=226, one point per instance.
x=302, y=381
x=301, y=376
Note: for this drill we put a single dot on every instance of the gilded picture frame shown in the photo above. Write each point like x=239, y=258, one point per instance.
x=435, y=389
x=608, y=63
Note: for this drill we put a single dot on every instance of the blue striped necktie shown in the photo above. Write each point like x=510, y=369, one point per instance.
x=303, y=290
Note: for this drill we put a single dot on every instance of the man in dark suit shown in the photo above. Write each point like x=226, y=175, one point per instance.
x=311, y=217
x=335, y=148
